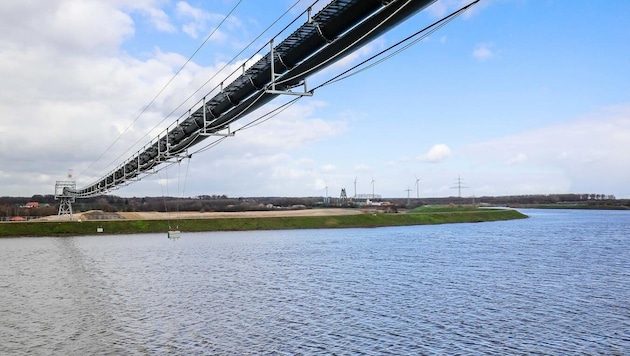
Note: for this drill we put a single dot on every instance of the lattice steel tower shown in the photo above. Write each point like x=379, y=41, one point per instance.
x=64, y=196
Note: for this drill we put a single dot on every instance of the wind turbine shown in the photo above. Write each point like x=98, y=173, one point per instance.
x=417, y=190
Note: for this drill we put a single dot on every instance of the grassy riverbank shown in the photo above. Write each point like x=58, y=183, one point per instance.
x=417, y=217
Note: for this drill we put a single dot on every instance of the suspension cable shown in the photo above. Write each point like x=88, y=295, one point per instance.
x=344, y=75
x=146, y=107
x=168, y=216
x=339, y=53
x=431, y=29
x=273, y=113
x=178, y=196
x=201, y=87
x=186, y=175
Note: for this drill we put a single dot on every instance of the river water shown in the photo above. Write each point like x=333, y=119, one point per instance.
x=556, y=283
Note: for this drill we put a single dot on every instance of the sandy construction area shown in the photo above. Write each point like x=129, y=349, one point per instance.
x=243, y=214
x=98, y=215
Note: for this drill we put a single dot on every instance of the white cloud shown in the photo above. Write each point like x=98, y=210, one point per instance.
x=294, y=127
x=263, y=158
x=443, y=8
x=160, y=20
x=591, y=153
x=440, y=8
x=518, y=159
x=68, y=91
x=71, y=83
x=343, y=63
x=199, y=22
x=363, y=168
x=67, y=27
x=483, y=52
x=150, y=9
x=437, y=153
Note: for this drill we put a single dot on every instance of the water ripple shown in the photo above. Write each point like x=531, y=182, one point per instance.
x=552, y=284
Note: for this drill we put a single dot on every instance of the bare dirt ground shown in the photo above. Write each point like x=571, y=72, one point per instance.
x=213, y=215
x=243, y=214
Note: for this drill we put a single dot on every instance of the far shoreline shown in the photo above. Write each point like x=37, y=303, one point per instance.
x=251, y=221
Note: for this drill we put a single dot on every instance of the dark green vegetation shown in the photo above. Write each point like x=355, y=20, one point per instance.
x=14, y=206
x=424, y=216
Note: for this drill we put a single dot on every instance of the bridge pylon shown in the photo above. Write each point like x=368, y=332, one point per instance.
x=65, y=198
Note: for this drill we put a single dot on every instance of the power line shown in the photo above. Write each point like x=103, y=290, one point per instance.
x=459, y=186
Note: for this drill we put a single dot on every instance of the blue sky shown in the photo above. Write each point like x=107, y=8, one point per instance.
x=515, y=97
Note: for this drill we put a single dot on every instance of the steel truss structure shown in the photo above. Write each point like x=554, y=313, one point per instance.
x=64, y=193
x=339, y=28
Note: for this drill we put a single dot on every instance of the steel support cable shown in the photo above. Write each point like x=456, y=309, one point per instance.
x=216, y=87
x=294, y=38
x=343, y=51
x=156, y=164
x=236, y=117
x=186, y=176
x=199, y=137
x=251, y=103
x=430, y=28
x=359, y=36
x=273, y=113
x=210, y=145
x=162, y=188
x=105, y=182
x=238, y=54
x=152, y=164
x=164, y=87
x=190, y=143
x=439, y=24
x=183, y=130
x=179, y=164
x=210, y=79
x=168, y=214
x=387, y=17
x=253, y=123
x=345, y=75
x=242, y=113
x=155, y=169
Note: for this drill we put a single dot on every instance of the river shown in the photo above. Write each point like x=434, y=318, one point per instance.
x=556, y=283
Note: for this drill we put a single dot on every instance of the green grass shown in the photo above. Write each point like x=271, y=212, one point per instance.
x=436, y=216
x=445, y=209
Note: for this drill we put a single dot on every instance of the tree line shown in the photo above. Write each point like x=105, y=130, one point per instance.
x=15, y=206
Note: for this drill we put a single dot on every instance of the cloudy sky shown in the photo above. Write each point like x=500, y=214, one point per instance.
x=513, y=97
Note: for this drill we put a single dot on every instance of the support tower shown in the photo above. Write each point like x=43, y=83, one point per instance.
x=65, y=198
